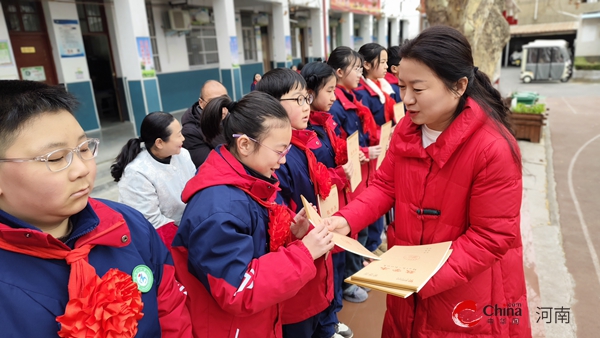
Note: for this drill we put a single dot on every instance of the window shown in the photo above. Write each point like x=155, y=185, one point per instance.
x=22, y=16
x=249, y=44
x=202, y=46
x=152, y=32
x=90, y=18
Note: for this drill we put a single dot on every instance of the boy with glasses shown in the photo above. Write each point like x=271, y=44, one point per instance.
x=70, y=264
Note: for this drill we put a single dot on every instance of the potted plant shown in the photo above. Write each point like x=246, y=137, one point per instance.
x=527, y=121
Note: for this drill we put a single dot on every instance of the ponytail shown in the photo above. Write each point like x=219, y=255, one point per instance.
x=316, y=75
x=154, y=126
x=246, y=116
x=128, y=153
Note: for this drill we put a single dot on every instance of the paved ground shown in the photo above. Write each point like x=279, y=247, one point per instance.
x=571, y=233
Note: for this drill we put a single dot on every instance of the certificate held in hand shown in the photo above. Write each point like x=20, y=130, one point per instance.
x=353, y=149
x=344, y=242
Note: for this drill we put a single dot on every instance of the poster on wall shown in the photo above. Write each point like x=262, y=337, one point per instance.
x=145, y=56
x=233, y=49
x=36, y=73
x=69, y=38
x=5, y=59
x=288, y=48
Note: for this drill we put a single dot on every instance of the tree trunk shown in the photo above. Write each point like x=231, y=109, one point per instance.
x=481, y=21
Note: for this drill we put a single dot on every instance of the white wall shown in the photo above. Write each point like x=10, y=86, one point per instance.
x=68, y=69
x=410, y=19
x=130, y=22
x=7, y=72
x=391, y=8
x=588, y=38
x=172, y=47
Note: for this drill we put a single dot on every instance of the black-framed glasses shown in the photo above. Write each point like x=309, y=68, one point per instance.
x=61, y=159
x=301, y=99
x=280, y=153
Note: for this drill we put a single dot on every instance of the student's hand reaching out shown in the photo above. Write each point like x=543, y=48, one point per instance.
x=374, y=152
x=318, y=241
x=301, y=224
x=362, y=158
x=348, y=169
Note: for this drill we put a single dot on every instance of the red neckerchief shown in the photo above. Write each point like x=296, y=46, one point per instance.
x=319, y=175
x=391, y=78
x=388, y=106
x=232, y=173
x=366, y=117
x=91, y=297
x=326, y=121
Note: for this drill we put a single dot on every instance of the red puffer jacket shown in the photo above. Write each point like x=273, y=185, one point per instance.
x=465, y=188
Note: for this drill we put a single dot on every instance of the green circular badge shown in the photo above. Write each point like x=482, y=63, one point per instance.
x=143, y=277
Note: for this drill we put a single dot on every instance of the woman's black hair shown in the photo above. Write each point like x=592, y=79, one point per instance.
x=246, y=116
x=448, y=54
x=154, y=126
x=371, y=53
x=343, y=58
x=280, y=81
x=316, y=75
x=393, y=57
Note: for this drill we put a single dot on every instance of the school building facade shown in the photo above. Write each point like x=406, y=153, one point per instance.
x=126, y=58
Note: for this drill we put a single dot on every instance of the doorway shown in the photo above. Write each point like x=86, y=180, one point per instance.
x=29, y=40
x=266, y=48
x=98, y=53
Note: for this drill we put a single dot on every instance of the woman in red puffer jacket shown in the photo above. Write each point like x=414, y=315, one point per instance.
x=453, y=173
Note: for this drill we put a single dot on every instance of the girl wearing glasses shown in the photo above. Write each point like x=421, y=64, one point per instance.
x=236, y=249
x=152, y=171
x=321, y=83
x=302, y=174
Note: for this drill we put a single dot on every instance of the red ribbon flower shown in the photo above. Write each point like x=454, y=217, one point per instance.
x=322, y=180
x=280, y=221
x=341, y=151
x=109, y=308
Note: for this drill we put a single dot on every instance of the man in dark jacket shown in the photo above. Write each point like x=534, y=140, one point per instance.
x=194, y=139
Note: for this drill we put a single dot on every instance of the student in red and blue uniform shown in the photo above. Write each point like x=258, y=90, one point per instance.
x=352, y=116
x=303, y=175
x=374, y=92
x=321, y=84
x=391, y=76
x=73, y=266
x=236, y=249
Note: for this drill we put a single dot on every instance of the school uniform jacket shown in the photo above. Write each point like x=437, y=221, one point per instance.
x=370, y=99
x=295, y=181
x=221, y=253
x=393, y=81
x=470, y=177
x=33, y=291
x=344, y=112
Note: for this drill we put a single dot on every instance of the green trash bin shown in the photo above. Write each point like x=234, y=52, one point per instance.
x=527, y=98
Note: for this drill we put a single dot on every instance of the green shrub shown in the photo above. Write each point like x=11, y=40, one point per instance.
x=538, y=108
x=587, y=63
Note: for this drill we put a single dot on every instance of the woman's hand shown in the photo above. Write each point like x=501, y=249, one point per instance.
x=348, y=169
x=337, y=224
x=374, y=152
x=301, y=224
x=319, y=241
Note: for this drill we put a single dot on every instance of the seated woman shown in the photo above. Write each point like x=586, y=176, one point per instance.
x=151, y=177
